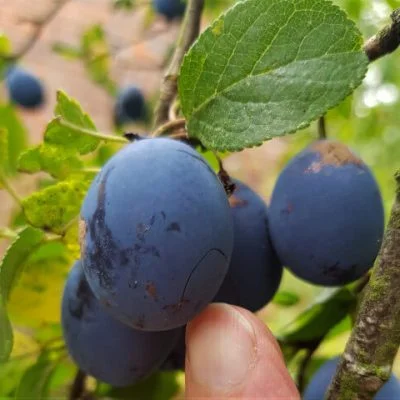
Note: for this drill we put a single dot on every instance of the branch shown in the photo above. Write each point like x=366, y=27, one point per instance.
x=367, y=361
x=37, y=32
x=189, y=31
x=174, y=125
x=386, y=41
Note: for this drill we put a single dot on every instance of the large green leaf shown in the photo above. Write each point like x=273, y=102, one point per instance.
x=315, y=322
x=56, y=134
x=6, y=334
x=268, y=68
x=27, y=241
x=53, y=207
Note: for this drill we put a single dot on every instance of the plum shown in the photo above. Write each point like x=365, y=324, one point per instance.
x=24, y=89
x=104, y=347
x=129, y=106
x=321, y=380
x=255, y=272
x=156, y=234
x=326, y=215
x=170, y=8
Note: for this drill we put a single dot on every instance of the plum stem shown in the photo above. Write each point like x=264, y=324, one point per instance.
x=78, y=386
x=190, y=29
x=6, y=233
x=174, y=125
x=368, y=358
x=386, y=40
x=89, y=132
x=322, y=128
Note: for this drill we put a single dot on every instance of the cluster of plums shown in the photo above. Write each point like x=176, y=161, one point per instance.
x=160, y=240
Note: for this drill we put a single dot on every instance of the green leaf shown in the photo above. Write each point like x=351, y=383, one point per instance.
x=286, y=299
x=71, y=111
x=10, y=120
x=67, y=51
x=124, y=4
x=6, y=334
x=268, y=68
x=160, y=386
x=53, y=207
x=315, y=322
x=35, y=381
x=58, y=161
x=27, y=241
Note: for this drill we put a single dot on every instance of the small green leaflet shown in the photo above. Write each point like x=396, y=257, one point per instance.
x=315, y=322
x=56, y=134
x=6, y=334
x=27, y=241
x=286, y=299
x=35, y=382
x=268, y=68
x=53, y=207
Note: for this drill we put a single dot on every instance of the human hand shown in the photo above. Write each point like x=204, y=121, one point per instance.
x=232, y=354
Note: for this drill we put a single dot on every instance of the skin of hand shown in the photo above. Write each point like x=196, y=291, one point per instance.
x=232, y=354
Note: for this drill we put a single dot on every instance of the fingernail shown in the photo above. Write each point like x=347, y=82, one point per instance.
x=222, y=352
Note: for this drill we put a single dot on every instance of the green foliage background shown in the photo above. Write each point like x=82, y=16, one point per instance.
x=368, y=122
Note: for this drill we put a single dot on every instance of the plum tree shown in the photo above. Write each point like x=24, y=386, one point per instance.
x=129, y=105
x=156, y=234
x=169, y=8
x=255, y=272
x=320, y=381
x=24, y=89
x=326, y=215
x=104, y=347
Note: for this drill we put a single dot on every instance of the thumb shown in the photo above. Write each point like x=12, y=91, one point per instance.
x=232, y=354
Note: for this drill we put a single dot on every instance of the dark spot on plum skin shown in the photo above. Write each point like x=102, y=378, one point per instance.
x=140, y=322
x=342, y=274
x=288, y=210
x=173, y=227
x=151, y=290
x=83, y=300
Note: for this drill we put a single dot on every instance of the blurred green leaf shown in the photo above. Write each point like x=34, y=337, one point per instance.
x=315, y=322
x=286, y=299
x=124, y=4
x=27, y=241
x=3, y=149
x=53, y=207
x=71, y=111
x=16, y=135
x=96, y=55
x=160, y=386
x=35, y=381
x=248, y=79
x=67, y=51
x=6, y=334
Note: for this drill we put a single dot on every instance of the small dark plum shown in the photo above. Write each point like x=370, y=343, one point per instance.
x=176, y=359
x=170, y=8
x=129, y=105
x=104, y=347
x=321, y=380
x=255, y=272
x=156, y=234
x=326, y=215
x=24, y=89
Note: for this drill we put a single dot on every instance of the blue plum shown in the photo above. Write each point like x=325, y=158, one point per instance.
x=129, y=105
x=326, y=215
x=156, y=234
x=321, y=380
x=255, y=272
x=104, y=347
x=170, y=8
x=24, y=89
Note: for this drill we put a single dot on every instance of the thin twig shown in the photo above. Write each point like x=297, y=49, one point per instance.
x=385, y=41
x=368, y=358
x=170, y=126
x=89, y=132
x=7, y=233
x=10, y=189
x=36, y=34
x=189, y=31
x=78, y=386
x=301, y=378
x=322, y=128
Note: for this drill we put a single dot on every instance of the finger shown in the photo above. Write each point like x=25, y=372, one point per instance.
x=232, y=354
